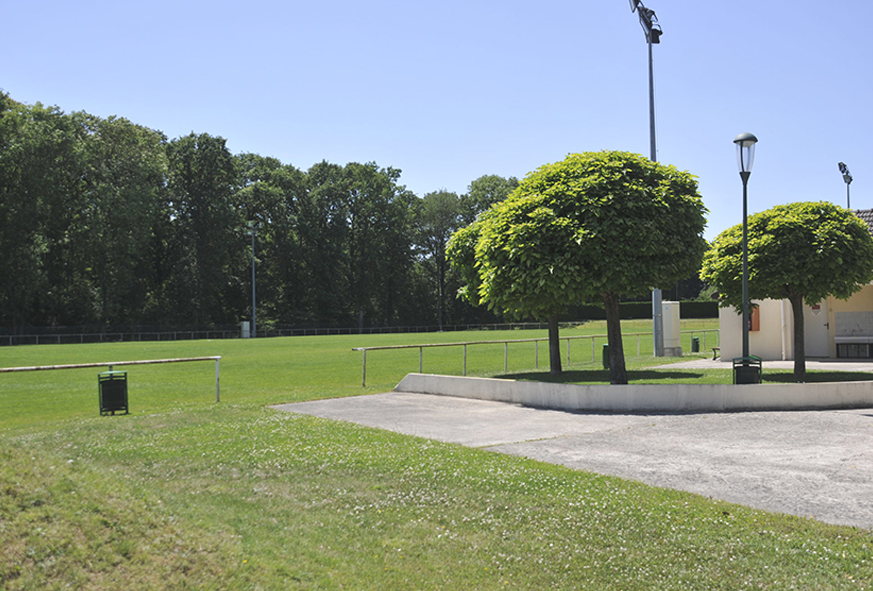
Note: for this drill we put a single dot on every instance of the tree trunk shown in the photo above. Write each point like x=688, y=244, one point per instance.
x=554, y=347
x=617, y=369
x=799, y=349
x=104, y=320
x=441, y=280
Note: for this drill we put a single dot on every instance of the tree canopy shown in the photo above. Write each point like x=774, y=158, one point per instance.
x=484, y=192
x=803, y=252
x=591, y=227
x=108, y=224
x=438, y=217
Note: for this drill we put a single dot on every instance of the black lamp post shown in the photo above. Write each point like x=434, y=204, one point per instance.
x=653, y=32
x=745, y=158
x=847, y=176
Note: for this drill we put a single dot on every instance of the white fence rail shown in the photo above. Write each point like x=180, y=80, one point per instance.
x=116, y=336
x=111, y=364
x=506, y=343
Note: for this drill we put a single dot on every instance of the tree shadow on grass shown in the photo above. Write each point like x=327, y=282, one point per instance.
x=600, y=376
x=787, y=376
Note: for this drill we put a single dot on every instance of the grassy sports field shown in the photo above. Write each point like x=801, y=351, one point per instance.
x=184, y=493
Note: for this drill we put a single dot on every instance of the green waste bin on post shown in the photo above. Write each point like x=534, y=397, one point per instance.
x=112, y=386
x=605, y=356
x=695, y=344
x=747, y=370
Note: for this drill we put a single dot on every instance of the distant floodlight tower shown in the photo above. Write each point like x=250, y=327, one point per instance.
x=653, y=32
x=847, y=176
x=253, y=232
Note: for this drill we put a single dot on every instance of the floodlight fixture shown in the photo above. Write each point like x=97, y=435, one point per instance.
x=847, y=176
x=648, y=21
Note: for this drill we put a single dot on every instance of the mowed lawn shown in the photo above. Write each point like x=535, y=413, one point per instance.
x=187, y=493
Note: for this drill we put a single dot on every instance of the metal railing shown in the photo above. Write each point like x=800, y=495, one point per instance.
x=111, y=364
x=114, y=337
x=59, y=337
x=506, y=343
x=81, y=335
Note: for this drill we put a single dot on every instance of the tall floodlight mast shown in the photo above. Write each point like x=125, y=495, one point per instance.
x=653, y=32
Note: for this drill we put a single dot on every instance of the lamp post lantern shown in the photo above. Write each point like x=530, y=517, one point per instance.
x=649, y=23
x=745, y=158
x=847, y=176
x=253, y=231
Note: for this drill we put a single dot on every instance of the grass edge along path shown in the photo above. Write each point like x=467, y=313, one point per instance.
x=247, y=498
x=257, y=500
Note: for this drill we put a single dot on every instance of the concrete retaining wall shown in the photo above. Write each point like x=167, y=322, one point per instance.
x=647, y=397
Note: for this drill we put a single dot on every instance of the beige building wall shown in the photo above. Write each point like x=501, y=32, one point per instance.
x=775, y=339
x=766, y=343
x=859, y=303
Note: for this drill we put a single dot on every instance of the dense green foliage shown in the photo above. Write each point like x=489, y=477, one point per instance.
x=591, y=227
x=108, y=223
x=799, y=251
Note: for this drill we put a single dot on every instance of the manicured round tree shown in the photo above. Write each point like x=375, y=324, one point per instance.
x=593, y=226
x=799, y=251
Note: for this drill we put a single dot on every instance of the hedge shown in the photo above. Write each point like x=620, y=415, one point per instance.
x=629, y=310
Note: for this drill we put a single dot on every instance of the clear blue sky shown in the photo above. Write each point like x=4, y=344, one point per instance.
x=451, y=91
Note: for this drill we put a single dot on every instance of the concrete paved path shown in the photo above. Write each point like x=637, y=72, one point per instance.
x=808, y=463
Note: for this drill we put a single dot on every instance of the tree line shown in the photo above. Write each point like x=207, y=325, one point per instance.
x=108, y=223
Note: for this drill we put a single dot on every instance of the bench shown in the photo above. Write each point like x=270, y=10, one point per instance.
x=716, y=353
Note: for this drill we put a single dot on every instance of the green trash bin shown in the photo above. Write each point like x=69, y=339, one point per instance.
x=695, y=344
x=112, y=386
x=605, y=356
